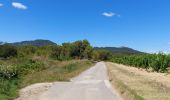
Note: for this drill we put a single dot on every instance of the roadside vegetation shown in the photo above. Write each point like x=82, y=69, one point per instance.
x=14, y=77
x=150, y=62
x=23, y=65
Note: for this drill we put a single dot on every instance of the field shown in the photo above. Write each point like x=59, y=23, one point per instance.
x=150, y=62
x=138, y=84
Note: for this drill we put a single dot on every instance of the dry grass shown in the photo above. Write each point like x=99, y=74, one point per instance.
x=137, y=84
x=57, y=72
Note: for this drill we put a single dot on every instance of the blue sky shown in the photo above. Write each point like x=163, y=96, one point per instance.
x=140, y=24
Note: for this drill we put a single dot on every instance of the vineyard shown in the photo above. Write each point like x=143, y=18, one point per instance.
x=155, y=62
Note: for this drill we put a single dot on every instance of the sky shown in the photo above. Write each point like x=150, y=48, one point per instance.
x=139, y=24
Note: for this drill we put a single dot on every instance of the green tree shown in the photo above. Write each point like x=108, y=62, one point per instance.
x=102, y=55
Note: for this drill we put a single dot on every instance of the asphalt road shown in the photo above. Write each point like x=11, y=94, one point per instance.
x=93, y=84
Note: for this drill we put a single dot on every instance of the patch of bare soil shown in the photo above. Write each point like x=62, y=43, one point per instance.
x=33, y=90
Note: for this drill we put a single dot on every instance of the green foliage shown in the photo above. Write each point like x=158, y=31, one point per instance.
x=156, y=62
x=26, y=50
x=14, y=71
x=75, y=50
x=11, y=75
x=70, y=67
x=8, y=71
x=102, y=55
x=81, y=49
x=66, y=51
x=7, y=51
x=8, y=88
x=30, y=67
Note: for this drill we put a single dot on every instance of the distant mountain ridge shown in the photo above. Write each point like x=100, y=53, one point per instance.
x=115, y=50
x=38, y=42
x=120, y=50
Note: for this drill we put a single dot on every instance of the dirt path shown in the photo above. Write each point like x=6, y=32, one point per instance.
x=92, y=84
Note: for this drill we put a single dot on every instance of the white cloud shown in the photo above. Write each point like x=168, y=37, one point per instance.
x=19, y=5
x=1, y=5
x=110, y=14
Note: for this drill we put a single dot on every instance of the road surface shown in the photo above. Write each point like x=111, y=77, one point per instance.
x=92, y=84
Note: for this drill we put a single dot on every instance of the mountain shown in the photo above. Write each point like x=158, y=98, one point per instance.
x=118, y=51
x=1, y=43
x=38, y=42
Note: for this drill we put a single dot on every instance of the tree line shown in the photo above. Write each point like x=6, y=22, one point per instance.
x=67, y=51
x=83, y=50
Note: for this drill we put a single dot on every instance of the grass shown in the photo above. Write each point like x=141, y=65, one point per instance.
x=135, y=86
x=8, y=89
x=17, y=73
x=58, y=71
x=126, y=92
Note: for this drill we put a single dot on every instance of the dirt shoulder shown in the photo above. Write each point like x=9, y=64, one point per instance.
x=138, y=84
x=33, y=90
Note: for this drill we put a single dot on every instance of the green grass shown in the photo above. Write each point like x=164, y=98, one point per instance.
x=8, y=89
x=16, y=74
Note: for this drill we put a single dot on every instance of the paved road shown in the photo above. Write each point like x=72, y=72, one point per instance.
x=92, y=84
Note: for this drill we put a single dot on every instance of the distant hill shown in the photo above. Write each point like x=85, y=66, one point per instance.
x=1, y=43
x=38, y=42
x=117, y=51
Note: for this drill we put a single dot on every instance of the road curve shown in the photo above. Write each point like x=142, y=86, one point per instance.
x=92, y=84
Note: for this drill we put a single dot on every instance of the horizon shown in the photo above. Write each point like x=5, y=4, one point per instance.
x=80, y=40
x=142, y=25
x=62, y=42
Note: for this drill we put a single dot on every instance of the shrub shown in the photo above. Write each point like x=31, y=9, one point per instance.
x=8, y=71
x=30, y=67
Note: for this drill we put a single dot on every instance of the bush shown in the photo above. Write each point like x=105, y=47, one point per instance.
x=16, y=71
x=30, y=67
x=11, y=77
x=8, y=71
x=7, y=51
